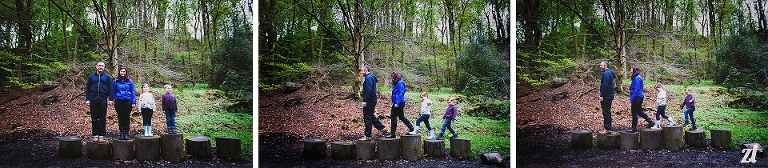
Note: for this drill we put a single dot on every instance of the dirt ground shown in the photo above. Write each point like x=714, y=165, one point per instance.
x=31, y=122
x=544, y=120
x=285, y=120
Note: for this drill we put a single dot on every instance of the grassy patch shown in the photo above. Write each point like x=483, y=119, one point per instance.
x=488, y=136
x=202, y=113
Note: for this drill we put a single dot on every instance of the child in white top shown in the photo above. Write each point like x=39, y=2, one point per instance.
x=661, y=104
x=426, y=106
x=147, y=105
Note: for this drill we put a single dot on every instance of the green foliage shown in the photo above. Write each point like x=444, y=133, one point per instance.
x=739, y=60
x=488, y=136
x=490, y=67
x=235, y=53
x=476, y=87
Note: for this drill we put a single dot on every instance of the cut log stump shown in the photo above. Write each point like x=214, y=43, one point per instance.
x=365, y=150
x=410, y=147
x=434, y=148
x=608, y=141
x=581, y=139
x=314, y=148
x=696, y=138
x=491, y=159
x=460, y=148
x=343, y=150
x=650, y=139
x=721, y=139
x=628, y=140
x=99, y=150
x=172, y=147
x=70, y=147
x=198, y=147
x=228, y=148
x=123, y=150
x=672, y=138
x=389, y=148
x=147, y=148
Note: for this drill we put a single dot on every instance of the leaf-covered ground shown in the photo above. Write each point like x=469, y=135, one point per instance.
x=543, y=126
x=31, y=124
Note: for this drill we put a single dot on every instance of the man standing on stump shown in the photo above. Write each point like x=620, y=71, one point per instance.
x=606, y=94
x=369, y=103
x=97, y=97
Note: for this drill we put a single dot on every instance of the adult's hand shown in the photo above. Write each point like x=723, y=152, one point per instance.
x=133, y=106
x=88, y=103
x=364, y=104
x=396, y=105
x=110, y=103
x=601, y=99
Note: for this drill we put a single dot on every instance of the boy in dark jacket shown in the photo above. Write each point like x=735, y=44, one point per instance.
x=169, y=107
x=448, y=118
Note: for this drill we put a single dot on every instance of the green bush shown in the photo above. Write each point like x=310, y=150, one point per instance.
x=739, y=60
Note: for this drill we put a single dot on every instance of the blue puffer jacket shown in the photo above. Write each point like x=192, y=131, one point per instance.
x=124, y=90
x=398, y=93
x=636, y=88
x=98, y=87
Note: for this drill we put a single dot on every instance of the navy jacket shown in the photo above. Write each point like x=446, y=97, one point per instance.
x=124, y=90
x=369, y=88
x=607, y=84
x=98, y=87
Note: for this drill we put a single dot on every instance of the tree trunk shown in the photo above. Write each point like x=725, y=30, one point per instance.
x=365, y=150
x=581, y=139
x=314, y=148
x=343, y=150
x=608, y=140
x=123, y=149
x=410, y=147
x=650, y=139
x=198, y=147
x=172, y=147
x=672, y=138
x=628, y=140
x=147, y=148
x=434, y=148
x=721, y=139
x=389, y=148
x=696, y=138
x=228, y=148
x=460, y=148
x=99, y=150
x=70, y=147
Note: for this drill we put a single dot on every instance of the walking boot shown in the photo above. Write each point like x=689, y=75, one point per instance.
x=650, y=124
x=657, y=126
x=440, y=137
x=414, y=131
x=149, y=130
x=685, y=124
x=671, y=121
x=431, y=134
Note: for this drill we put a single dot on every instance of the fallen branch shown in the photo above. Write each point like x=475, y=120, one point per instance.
x=14, y=98
x=316, y=100
x=582, y=94
x=73, y=97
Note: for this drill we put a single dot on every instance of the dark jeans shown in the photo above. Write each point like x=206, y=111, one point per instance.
x=98, y=118
x=447, y=124
x=370, y=119
x=170, y=118
x=123, y=108
x=660, y=111
x=689, y=112
x=606, y=105
x=397, y=112
x=146, y=116
x=637, y=109
x=425, y=118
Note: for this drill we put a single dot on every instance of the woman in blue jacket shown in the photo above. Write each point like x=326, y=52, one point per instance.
x=398, y=103
x=636, y=98
x=125, y=100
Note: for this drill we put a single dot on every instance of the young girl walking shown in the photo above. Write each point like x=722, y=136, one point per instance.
x=426, y=106
x=661, y=106
x=147, y=105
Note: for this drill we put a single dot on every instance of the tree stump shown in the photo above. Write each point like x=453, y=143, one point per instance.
x=343, y=150
x=147, y=148
x=48, y=85
x=696, y=138
x=581, y=139
x=628, y=140
x=434, y=148
x=410, y=147
x=389, y=148
x=70, y=147
x=672, y=138
x=198, y=147
x=172, y=147
x=650, y=139
x=99, y=150
x=365, y=150
x=721, y=139
x=228, y=148
x=491, y=158
x=314, y=148
x=291, y=87
x=460, y=148
x=122, y=150
x=608, y=141
x=557, y=82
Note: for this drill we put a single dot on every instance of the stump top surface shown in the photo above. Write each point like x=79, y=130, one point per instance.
x=100, y=143
x=650, y=130
x=581, y=131
x=697, y=130
x=397, y=138
x=148, y=137
x=230, y=138
x=608, y=134
x=343, y=143
x=460, y=139
x=433, y=140
x=306, y=140
x=410, y=135
x=367, y=142
x=720, y=130
x=170, y=135
x=663, y=127
x=129, y=140
x=198, y=138
x=70, y=138
x=626, y=132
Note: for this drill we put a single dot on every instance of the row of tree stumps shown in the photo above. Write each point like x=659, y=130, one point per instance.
x=169, y=147
x=407, y=147
x=670, y=138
